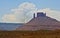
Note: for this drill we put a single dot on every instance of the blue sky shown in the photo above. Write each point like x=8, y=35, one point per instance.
x=7, y=5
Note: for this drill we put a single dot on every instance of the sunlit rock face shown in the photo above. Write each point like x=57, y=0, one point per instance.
x=41, y=22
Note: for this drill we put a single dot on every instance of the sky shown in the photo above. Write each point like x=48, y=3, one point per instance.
x=21, y=11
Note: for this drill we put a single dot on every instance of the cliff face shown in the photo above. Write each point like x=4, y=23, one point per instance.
x=41, y=23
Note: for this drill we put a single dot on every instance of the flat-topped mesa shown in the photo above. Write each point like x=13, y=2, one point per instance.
x=41, y=22
x=40, y=14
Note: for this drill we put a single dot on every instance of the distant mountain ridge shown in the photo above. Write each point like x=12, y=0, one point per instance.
x=9, y=26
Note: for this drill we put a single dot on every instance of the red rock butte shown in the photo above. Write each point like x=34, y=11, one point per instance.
x=41, y=22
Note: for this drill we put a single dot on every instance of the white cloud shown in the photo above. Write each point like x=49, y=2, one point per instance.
x=9, y=17
x=23, y=13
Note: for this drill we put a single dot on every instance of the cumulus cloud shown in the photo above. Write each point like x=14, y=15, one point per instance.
x=9, y=18
x=23, y=13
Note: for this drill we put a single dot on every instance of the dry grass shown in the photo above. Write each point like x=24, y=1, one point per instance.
x=30, y=34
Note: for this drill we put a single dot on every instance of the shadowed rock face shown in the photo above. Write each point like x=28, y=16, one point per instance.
x=41, y=23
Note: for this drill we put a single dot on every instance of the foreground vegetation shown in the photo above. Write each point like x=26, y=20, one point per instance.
x=30, y=34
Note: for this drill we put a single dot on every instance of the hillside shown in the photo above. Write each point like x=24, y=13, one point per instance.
x=41, y=22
